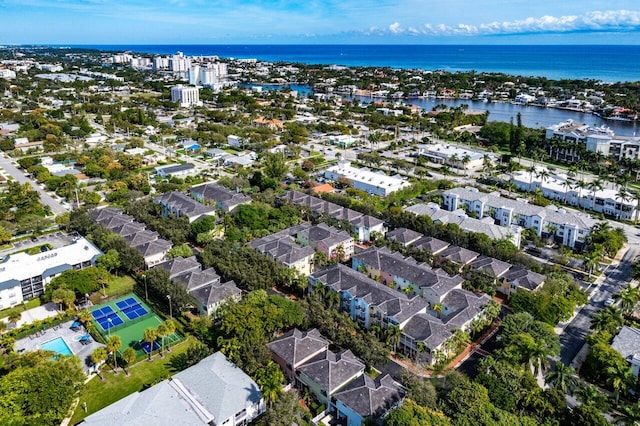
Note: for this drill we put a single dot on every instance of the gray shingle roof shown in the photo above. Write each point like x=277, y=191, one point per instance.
x=524, y=278
x=490, y=266
x=459, y=255
x=213, y=192
x=180, y=265
x=184, y=205
x=393, y=302
x=331, y=371
x=404, y=236
x=627, y=343
x=296, y=346
x=430, y=244
x=371, y=398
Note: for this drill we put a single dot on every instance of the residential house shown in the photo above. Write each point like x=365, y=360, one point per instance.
x=179, y=205
x=327, y=373
x=213, y=392
x=520, y=278
x=458, y=255
x=365, y=398
x=152, y=248
x=363, y=225
x=405, y=274
x=295, y=348
x=627, y=344
x=176, y=170
x=433, y=330
x=489, y=267
x=368, y=302
x=222, y=198
x=404, y=236
x=430, y=244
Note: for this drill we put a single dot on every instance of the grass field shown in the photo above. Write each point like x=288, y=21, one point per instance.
x=131, y=331
x=98, y=393
x=117, y=286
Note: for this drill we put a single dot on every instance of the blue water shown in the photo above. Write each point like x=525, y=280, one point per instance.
x=600, y=62
x=57, y=345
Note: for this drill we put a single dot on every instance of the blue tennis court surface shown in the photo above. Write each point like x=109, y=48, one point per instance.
x=135, y=311
x=127, y=303
x=110, y=321
x=102, y=313
x=146, y=346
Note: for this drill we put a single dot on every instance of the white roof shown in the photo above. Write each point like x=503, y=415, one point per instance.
x=369, y=177
x=21, y=266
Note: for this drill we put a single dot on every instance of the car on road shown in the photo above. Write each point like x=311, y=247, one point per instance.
x=609, y=302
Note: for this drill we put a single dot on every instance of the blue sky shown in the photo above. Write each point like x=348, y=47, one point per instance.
x=319, y=21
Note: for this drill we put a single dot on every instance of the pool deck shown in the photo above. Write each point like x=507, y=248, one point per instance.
x=71, y=337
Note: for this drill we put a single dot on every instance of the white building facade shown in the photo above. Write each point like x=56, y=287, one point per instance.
x=186, y=96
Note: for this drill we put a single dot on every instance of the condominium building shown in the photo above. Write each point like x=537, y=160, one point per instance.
x=24, y=276
x=567, y=226
x=376, y=183
x=453, y=155
x=558, y=186
x=595, y=139
x=467, y=223
x=186, y=96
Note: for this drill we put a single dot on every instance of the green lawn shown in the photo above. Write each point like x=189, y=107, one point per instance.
x=117, y=286
x=98, y=394
x=33, y=303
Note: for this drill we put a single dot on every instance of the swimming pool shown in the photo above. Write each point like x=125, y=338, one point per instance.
x=57, y=345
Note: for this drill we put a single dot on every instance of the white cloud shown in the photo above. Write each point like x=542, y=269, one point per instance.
x=596, y=21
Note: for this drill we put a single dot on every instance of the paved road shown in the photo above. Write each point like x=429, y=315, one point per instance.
x=56, y=207
x=616, y=279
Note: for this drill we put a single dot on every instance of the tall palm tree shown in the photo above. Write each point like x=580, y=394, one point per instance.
x=333, y=299
x=581, y=185
x=162, y=333
x=97, y=356
x=149, y=336
x=454, y=160
x=114, y=343
x=170, y=326
x=15, y=317
x=84, y=316
x=629, y=297
x=595, y=186
x=129, y=357
x=393, y=336
x=561, y=377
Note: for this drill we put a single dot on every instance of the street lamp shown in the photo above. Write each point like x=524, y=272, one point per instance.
x=109, y=328
x=170, y=308
x=146, y=295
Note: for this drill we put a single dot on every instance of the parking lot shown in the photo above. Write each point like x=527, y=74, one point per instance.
x=56, y=240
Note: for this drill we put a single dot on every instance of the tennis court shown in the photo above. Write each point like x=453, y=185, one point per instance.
x=128, y=317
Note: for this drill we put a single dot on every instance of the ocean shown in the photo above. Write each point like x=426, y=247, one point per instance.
x=599, y=62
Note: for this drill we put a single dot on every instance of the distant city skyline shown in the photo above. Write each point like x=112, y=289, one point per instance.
x=319, y=21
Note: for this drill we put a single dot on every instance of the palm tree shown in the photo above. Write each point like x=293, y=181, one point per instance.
x=270, y=380
x=162, y=333
x=129, y=357
x=333, y=299
x=591, y=261
x=454, y=159
x=3, y=327
x=561, y=377
x=466, y=159
x=460, y=339
x=149, y=336
x=170, y=325
x=581, y=185
x=393, y=336
x=15, y=317
x=609, y=319
x=590, y=395
x=532, y=172
x=628, y=298
x=84, y=316
x=320, y=290
x=620, y=378
x=98, y=356
x=543, y=175
x=114, y=343
x=595, y=186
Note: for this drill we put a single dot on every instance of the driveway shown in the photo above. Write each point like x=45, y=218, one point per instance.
x=45, y=198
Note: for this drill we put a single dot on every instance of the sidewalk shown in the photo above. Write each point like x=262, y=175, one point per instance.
x=38, y=313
